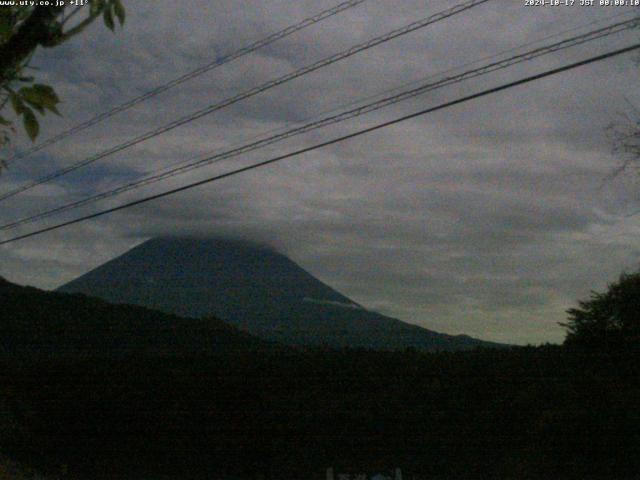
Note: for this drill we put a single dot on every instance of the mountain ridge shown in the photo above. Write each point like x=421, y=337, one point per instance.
x=255, y=288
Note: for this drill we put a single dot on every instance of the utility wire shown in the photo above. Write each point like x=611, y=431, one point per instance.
x=340, y=117
x=333, y=141
x=252, y=92
x=307, y=22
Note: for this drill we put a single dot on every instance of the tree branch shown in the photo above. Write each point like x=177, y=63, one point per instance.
x=34, y=31
x=77, y=29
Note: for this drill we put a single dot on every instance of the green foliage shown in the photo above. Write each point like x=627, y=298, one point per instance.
x=610, y=319
x=118, y=10
x=41, y=97
x=24, y=28
x=26, y=99
x=111, y=9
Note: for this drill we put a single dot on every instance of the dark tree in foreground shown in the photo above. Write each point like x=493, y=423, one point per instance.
x=25, y=27
x=610, y=319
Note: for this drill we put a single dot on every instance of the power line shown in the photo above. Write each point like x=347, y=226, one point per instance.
x=333, y=119
x=589, y=36
x=379, y=126
x=307, y=22
x=252, y=92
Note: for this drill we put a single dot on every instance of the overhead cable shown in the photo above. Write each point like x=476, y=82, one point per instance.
x=340, y=117
x=249, y=93
x=333, y=141
x=188, y=76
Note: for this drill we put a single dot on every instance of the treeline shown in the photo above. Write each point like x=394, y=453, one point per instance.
x=89, y=390
x=525, y=413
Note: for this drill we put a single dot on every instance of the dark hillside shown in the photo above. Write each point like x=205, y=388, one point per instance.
x=36, y=322
x=102, y=392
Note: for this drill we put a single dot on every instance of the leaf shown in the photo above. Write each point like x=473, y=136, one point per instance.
x=118, y=9
x=40, y=97
x=37, y=106
x=16, y=103
x=96, y=7
x=6, y=26
x=29, y=95
x=41, y=94
x=53, y=108
x=31, y=124
x=46, y=91
x=108, y=19
x=4, y=122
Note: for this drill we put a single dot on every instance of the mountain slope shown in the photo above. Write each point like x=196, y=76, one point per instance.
x=36, y=322
x=255, y=288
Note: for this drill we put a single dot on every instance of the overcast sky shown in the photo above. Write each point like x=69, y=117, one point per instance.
x=490, y=218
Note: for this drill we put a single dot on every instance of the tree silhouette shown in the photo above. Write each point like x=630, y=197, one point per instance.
x=607, y=320
x=26, y=26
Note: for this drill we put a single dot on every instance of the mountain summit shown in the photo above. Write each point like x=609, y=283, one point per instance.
x=254, y=288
